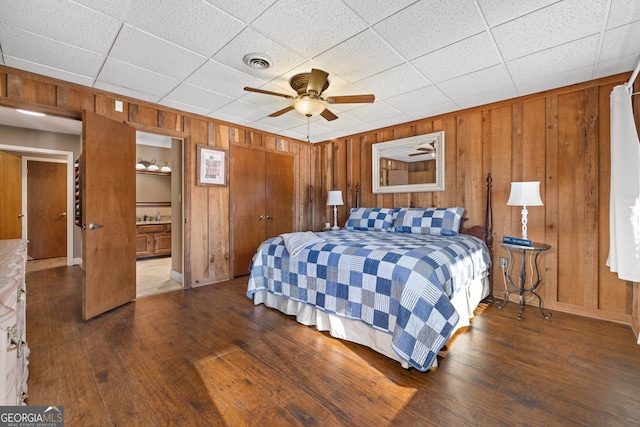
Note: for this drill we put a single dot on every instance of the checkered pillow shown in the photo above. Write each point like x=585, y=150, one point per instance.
x=433, y=221
x=370, y=219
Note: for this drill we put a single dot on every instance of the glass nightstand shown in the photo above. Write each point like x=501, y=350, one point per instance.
x=534, y=252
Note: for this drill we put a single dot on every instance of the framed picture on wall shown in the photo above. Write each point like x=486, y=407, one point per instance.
x=212, y=166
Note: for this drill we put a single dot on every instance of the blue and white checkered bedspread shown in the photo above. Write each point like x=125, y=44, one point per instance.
x=398, y=283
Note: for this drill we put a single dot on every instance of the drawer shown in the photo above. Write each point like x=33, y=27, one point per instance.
x=151, y=228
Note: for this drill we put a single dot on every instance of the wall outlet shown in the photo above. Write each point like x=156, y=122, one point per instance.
x=504, y=262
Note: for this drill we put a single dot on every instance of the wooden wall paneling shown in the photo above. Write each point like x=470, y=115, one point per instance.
x=613, y=293
x=533, y=160
x=340, y=179
x=74, y=100
x=422, y=199
x=3, y=84
x=31, y=90
x=367, y=198
x=105, y=106
x=199, y=224
x=170, y=120
x=143, y=115
x=327, y=176
x=317, y=199
x=218, y=213
x=571, y=208
x=470, y=180
x=498, y=121
x=550, y=289
x=591, y=199
x=449, y=197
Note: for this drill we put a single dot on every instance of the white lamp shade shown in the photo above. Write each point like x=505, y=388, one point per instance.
x=308, y=106
x=335, y=198
x=525, y=194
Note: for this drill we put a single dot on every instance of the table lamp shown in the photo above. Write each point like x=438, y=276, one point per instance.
x=525, y=194
x=335, y=200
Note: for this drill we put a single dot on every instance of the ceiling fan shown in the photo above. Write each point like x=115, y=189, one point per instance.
x=308, y=102
x=428, y=148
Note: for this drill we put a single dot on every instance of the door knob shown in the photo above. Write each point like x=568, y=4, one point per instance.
x=261, y=217
x=269, y=217
x=93, y=226
x=62, y=214
x=20, y=216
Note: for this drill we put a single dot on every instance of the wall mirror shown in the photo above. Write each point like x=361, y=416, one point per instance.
x=409, y=165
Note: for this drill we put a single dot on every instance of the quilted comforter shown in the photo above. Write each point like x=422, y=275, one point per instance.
x=399, y=283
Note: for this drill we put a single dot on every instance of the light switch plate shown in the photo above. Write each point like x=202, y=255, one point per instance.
x=118, y=106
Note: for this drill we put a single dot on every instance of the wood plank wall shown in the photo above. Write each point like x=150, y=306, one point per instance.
x=207, y=234
x=560, y=138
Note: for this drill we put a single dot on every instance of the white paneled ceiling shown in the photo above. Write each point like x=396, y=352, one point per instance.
x=420, y=58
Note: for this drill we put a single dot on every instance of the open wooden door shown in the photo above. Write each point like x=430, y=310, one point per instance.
x=46, y=209
x=108, y=186
x=10, y=196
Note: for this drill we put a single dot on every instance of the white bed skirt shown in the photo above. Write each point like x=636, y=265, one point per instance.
x=465, y=302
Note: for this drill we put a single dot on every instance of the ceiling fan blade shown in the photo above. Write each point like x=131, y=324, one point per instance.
x=267, y=92
x=317, y=79
x=327, y=114
x=351, y=99
x=418, y=154
x=281, y=112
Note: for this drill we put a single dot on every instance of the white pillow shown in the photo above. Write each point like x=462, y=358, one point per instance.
x=296, y=242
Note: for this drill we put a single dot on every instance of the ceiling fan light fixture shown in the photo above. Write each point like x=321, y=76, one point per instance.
x=308, y=106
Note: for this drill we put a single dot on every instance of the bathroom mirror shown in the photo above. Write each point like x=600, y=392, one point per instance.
x=414, y=164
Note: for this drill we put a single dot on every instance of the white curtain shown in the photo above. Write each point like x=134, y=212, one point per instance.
x=624, y=209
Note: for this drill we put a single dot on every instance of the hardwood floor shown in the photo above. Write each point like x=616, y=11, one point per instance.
x=208, y=357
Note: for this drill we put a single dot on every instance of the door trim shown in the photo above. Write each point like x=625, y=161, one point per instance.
x=69, y=161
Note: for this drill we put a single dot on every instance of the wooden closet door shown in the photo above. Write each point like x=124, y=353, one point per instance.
x=247, y=206
x=278, y=194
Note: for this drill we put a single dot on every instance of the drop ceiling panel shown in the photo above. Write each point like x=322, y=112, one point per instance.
x=557, y=60
x=62, y=20
x=47, y=71
x=393, y=81
x=621, y=41
x=466, y=56
x=119, y=90
x=500, y=11
x=199, y=97
x=129, y=76
x=483, y=82
x=368, y=56
x=426, y=26
x=551, y=26
x=49, y=52
x=245, y=10
x=373, y=11
x=222, y=79
x=413, y=103
x=623, y=12
x=193, y=24
x=299, y=24
x=152, y=53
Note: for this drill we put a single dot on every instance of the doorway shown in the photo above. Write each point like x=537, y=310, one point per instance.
x=159, y=213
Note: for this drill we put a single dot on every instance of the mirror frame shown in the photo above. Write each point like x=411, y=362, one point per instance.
x=378, y=152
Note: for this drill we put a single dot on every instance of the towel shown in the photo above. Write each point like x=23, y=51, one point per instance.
x=296, y=242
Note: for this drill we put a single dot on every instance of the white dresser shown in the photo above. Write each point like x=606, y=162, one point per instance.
x=14, y=352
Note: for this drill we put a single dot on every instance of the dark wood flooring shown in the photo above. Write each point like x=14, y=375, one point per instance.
x=208, y=357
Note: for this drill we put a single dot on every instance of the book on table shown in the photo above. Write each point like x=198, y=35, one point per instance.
x=517, y=241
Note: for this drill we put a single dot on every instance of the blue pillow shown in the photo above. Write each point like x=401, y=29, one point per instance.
x=433, y=221
x=370, y=219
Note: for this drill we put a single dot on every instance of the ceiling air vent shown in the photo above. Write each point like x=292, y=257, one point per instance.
x=258, y=61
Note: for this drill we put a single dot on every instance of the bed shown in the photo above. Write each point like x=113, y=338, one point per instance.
x=400, y=281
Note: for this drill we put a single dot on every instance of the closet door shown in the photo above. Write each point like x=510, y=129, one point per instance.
x=278, y=194
x=247, y=206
